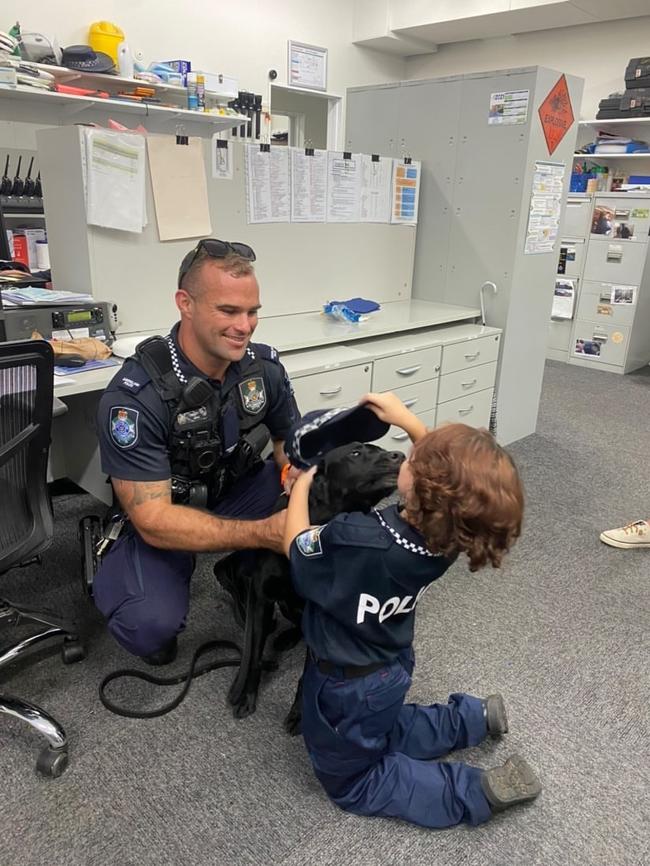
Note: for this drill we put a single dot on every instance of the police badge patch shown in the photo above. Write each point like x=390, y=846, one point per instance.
x=123, y=426
x=253, y=395
x=308, y=543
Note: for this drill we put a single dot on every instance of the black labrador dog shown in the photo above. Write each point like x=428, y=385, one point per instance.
x=353, y=477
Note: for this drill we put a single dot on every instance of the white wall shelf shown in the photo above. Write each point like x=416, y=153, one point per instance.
x=104, y=81
x=72, y=104
x=596, y=156
x=618, y=121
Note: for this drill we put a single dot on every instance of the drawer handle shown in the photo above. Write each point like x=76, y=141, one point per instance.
x=412, y=402
x=400, y=437
x=468, y=384
x=332, y=392
x=466, y=411
x=408, y=371
x=472, y=357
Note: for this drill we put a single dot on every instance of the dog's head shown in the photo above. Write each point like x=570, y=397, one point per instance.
x=353, y=477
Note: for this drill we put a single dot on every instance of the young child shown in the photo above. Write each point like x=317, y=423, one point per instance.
x=361, y=576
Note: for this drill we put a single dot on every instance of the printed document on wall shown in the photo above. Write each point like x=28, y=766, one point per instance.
x=308, y=185
x=406, y=192
x=268, y=198
x=114, y=179
x=376, y=188
x=545, y=207
x=343, y=187
x=180, y=190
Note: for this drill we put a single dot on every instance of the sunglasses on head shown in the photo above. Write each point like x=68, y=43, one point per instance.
x=214, y=249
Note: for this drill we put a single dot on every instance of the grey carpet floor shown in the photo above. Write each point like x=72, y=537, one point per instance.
x=561, y=630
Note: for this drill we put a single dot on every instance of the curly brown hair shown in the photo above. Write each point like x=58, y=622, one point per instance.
x=467, y=496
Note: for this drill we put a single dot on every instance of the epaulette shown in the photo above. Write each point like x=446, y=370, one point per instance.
x=261, y=350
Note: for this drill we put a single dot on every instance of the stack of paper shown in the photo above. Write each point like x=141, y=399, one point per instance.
x=26, y=295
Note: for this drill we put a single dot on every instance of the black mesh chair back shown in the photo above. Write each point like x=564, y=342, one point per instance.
x=26, y=391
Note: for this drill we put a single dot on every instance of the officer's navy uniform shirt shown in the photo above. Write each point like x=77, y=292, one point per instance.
x=361, y=576
x=134, y=422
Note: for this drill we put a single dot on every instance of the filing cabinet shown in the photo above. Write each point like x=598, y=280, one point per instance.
x=611, y=276
x=472, y=353
x=577, y=216
x=394, y=372
x=600, y=302
x=615, y=261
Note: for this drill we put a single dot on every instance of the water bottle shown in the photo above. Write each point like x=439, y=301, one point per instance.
x=125, y=60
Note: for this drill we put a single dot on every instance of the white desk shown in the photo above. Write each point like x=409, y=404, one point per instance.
x=308, y=343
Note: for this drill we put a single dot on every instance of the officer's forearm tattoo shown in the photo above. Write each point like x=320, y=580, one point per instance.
x=134, y=493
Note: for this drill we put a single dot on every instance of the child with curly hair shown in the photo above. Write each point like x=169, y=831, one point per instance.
x=361, y=576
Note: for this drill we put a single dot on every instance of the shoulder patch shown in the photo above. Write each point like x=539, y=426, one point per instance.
x=308, y=542
x=131, y=378
x=123, y=426
x=253, y=394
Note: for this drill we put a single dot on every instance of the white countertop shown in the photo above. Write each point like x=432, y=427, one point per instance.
x=323, y=337
x=307, y=330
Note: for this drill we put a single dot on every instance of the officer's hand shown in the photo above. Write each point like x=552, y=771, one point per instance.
x=275, y=531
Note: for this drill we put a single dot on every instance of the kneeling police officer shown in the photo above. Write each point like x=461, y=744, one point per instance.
x=181, y=431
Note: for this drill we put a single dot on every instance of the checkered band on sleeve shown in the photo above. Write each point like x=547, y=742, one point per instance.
x=404, y=542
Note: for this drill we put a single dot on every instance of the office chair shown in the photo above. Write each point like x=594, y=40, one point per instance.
x=26, y=525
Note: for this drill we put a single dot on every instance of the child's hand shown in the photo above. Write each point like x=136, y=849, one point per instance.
x=387, y=407
x=305, y=478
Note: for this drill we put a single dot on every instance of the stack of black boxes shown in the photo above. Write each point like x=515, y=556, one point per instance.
x=635, y=102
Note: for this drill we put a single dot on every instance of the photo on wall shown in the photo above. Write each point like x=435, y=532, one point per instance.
x=587, y=348
x=625, y=231
x=623, y=294
x=602, y=222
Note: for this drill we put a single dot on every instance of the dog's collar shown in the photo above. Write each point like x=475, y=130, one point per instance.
x=402, y=540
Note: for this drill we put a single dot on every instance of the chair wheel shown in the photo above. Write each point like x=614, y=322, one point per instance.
x=72, y=650
x=52, y=762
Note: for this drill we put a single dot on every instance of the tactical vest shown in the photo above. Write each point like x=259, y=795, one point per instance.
x=212, y=444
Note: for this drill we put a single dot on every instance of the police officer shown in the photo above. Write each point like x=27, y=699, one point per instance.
x=181, y=428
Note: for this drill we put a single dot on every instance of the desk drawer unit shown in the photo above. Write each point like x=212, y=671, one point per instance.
x=471, y=353
x=465, y=382
x=419, y=397
x=474, y=410
x=596, y=303
x=341, y=387
x=405, y=369
x=397, y=440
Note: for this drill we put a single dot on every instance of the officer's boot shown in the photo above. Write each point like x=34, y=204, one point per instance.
x=165, y=654
x=231, y=576
x=494, y=710
x=513, y=783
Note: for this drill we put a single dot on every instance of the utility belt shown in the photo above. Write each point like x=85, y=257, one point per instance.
x=346, y=672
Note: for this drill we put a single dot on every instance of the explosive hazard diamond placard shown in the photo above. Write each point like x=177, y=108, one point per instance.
x=556, y=114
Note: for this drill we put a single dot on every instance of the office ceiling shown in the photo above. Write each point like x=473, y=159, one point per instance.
x=408, y=27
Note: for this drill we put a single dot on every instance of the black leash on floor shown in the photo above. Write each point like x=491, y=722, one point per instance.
x=185, y=678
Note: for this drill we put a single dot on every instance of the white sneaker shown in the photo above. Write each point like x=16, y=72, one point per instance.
x=636, y=534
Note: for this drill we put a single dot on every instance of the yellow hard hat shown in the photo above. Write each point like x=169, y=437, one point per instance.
x=105, y=37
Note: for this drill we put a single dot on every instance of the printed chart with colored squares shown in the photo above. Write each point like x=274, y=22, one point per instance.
x=406, y=189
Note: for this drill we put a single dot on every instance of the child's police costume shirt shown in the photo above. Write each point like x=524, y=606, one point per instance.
x=362, y=576
x=133, y=421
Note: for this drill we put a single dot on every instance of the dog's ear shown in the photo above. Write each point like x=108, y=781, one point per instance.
x=319, y=499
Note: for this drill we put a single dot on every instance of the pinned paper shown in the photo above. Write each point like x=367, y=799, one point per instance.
x=179, y=186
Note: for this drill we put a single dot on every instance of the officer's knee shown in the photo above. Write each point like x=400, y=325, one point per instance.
x=143, y=632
